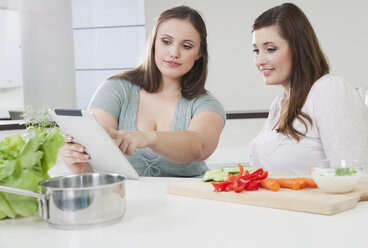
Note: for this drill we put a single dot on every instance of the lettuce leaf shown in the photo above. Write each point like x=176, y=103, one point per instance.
x=24, y=163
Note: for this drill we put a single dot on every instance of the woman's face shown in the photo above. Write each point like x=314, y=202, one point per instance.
x=177, y=47
x=272, y=56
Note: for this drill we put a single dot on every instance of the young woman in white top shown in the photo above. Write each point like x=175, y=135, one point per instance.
x=318, y=116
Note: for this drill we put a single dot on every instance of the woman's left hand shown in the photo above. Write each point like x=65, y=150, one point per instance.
x=128, y=141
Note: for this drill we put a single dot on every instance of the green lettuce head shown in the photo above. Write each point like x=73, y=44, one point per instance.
x=24, y=163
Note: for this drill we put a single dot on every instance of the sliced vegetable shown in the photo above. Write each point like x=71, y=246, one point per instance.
x=235, y=169
x=241, y=171
x=253, y=185
x=231, y=177
x=220, y=186
x=270, y=184
x=306, y=182
x=290, y=183
x=220, y=175
x=242, y=181
x=210, y=174
x=238, y=188
x=296, y=183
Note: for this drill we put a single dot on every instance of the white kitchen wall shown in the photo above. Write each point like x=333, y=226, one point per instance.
x=233, y=78
x=9, y=4
x=109, y=38
x=340, y=25
x=87, y=83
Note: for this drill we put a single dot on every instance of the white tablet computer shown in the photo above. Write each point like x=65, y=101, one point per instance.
x=105, y=155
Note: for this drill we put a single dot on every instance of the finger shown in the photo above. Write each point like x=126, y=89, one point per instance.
x=79, y=167
x=119, y=138
x=74, y=147
x=68, y=138
x=124, y=147
x=71, y=151
x=77, y=155
x=130, y=149
x=78, y=160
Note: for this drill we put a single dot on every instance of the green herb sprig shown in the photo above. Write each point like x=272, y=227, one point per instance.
x=345, y=172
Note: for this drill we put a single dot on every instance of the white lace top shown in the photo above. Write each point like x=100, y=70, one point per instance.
x=339, y=130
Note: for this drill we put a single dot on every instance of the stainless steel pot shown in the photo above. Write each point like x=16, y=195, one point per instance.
x=82, y=200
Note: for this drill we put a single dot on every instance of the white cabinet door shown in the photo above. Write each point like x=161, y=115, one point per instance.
x=106, y=13
x=108, y=48
x=10, y=50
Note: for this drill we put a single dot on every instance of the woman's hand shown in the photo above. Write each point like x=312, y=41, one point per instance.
x=128, y=141
x=74, y=156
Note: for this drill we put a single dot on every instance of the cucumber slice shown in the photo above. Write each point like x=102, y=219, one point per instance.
x=219, y=175
x=235, y=170
x=210, y=174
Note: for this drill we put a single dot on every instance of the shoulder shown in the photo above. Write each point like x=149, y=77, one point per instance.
x=115, y=88
x=206, y=97
x=118, y=83
x=332, y=95
x=207, y=102
x=330, y=85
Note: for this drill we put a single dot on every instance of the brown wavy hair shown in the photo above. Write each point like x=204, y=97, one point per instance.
x=148, y=75
x=308, y=62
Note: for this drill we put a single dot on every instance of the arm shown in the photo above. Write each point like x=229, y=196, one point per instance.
x=342, y=121
x=194, y=144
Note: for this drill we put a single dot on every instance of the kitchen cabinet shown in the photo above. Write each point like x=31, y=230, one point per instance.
x=10, y=50
x=109, y=38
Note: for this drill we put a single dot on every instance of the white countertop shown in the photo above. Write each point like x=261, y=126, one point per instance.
x=157, y=219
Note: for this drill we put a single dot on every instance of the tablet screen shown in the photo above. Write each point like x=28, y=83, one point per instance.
x=106, y=157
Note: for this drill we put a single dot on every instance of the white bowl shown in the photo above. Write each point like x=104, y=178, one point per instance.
x=336, y=176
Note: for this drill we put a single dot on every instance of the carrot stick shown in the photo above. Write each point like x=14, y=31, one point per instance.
x=270, y=184
x=308, y=182
x=302, y=182
x=290, y=183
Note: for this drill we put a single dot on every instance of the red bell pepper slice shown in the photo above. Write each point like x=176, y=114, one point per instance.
x=253, y=185
x=256, y=173
x=240, y=184
x=243, y=181
x=229, y=187
x=220, y=186
x=263, y=175
x=241, y=170
x=238, y=188
x=231, y=177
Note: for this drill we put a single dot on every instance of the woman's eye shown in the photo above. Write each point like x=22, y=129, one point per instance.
x=166, y=42
x=187, y=46
x=270, y=50
x=256, y=51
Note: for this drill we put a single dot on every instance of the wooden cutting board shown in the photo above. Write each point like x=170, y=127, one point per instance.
x=305, y=200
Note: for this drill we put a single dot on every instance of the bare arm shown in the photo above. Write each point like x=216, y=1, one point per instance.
x=196, y=143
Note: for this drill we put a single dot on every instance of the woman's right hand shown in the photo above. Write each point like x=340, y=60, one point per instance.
x=74, y=156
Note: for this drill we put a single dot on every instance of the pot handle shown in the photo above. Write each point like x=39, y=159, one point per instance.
x=21, y=192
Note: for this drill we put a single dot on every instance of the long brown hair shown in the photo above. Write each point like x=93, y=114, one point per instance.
x=308, y=62
x=148, y=75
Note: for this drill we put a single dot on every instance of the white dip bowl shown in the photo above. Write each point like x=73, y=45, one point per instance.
x=336, y=176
